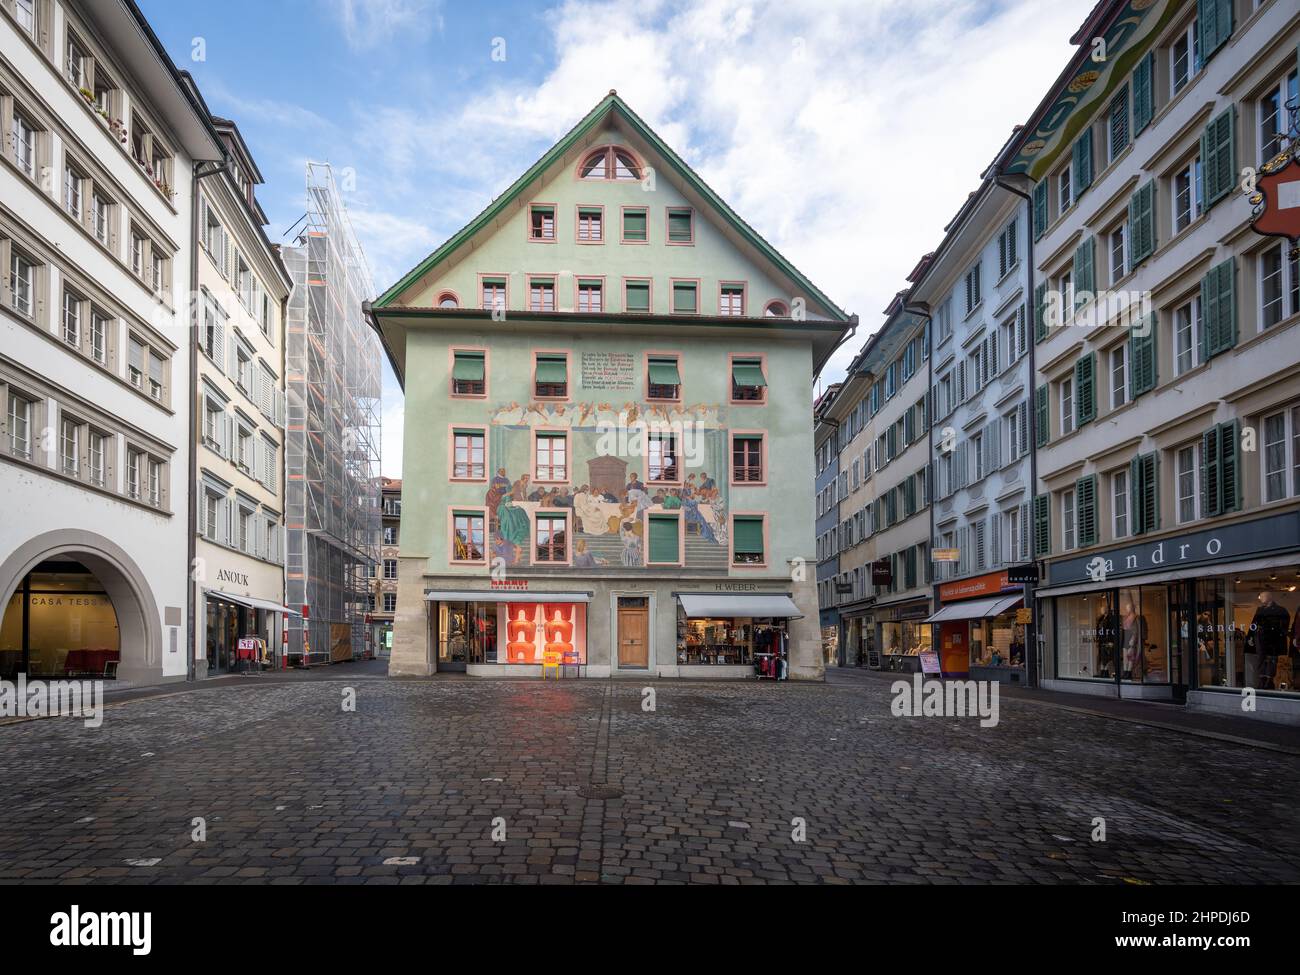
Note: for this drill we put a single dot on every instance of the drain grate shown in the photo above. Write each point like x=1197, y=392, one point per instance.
x=600, y=790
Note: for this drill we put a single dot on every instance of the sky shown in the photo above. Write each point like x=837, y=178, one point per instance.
x=847, y=132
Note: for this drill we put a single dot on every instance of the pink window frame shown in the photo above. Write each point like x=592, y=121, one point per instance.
x=672, y=287
x=487, y=371
x=446, y=293
x=606, y=149
x=681, y=534
x=650, y=295
x=732, y=436
x=744, y=297
x=568, y=365
x=762, y=364
x=555, y=292
x=668, y=210
x=493, y=277
x=451, y=452
x=577, y=223
x=550, y=432
x=731, y=540
x=777, y=301
x=567, y=515
x=555, y=223
x=451, y=534
x=645, y=371
x=578, y=279
x=622, y=212
x=652, y=434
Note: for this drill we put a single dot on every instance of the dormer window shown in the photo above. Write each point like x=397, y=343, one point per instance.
x=776, y=309
x=447, y=300
x=610, y=163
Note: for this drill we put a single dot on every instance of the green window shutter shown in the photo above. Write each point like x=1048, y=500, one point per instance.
x=1143, y=102
x=1142, y=356
x=1135, y=496
x=637, y=296
x=1142, y=223
x=663, y=372
x=1214, y=25
x=634, y=225
x=1218, y=157
x=1085, y=389
x=1211, y=473
x=1085, y=500
x=1082, y=163
x=1040, y=209
x=747, y=535
x=468, y=367
x=1041, y=418
x=1040, y=312
x=684, y=296
x=663, y=538
x=1117, y=123
x=1150, y=464
x=679, y=225
x=1085, y=279
x=1042, y=525
x=552, y=369
x=748, y=372
x=1219, y=308
x=1230, y=466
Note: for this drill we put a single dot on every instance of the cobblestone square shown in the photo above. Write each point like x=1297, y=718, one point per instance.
x=455, y=781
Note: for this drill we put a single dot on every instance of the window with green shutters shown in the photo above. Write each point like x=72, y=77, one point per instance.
x=1082, y=163
x=1040, y=311
x=685, y=297
x=1042, y=419
x=1040, y=209
x=1143, y=100
x=469, y=373
x=1118, y=123
x=634, y=225
x=747, y=380
x=665, y=538
x=663, y=380
x=1219, y=309
x=1042, y=525
x=747, y=539
x=551, y=376
x=1144, y=481
x=1142, y=356
x=1221, y=469
x=1085, y=389
x=1085, y=278
x=1218, y=158
x=636, y=296
x=1142, y=223
x=681, y=226
x=1085, y=510
x=1213, y=26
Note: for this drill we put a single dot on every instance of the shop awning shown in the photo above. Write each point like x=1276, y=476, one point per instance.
x=975, y=609
x=503, y=596
x=270, y=605
x=725, y=604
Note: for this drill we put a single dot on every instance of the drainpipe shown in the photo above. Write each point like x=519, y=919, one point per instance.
x=200, y=171
x=924, y=312
x=1031, y=632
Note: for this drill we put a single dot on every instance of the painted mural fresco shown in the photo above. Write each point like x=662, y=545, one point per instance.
x=608, y=488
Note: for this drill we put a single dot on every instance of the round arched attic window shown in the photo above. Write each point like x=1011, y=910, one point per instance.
x=447, y=299
x=776, y=309
x=610, y=163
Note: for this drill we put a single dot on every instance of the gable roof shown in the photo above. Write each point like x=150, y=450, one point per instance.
x=611, y=106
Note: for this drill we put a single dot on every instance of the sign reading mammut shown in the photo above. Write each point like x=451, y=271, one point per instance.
x=1213, y=545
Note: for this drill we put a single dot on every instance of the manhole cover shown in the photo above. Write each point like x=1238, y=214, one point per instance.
x=599, y=790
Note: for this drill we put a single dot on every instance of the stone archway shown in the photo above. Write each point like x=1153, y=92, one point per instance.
x=139, y=624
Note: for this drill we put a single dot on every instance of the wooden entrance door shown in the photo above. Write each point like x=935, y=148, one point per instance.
x=633, y=632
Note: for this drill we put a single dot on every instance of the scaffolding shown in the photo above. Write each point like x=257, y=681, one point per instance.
x=333, y=389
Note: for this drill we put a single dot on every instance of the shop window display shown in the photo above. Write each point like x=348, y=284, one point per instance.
x=1142, y=630
x=905, y=639
x=997, y=642
x=1085, y=635
x=1251, y=636
x=730, y=640
x=544, y=633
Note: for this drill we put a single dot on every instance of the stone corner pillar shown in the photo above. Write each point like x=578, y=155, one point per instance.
x=411, y=655
x=806, y=660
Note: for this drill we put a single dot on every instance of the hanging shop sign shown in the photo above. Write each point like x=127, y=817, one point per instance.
x=1024, y=615
x=880, y=573
x=945, y=555
x=1277, y=199
x=844, y=588
x=1263, y=536
x=1026, y=572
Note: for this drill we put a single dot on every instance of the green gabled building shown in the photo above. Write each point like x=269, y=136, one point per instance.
x=608, y=458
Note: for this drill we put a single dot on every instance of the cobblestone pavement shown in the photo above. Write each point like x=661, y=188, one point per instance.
x=406, y=789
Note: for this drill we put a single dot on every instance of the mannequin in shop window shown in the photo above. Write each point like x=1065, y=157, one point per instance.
x=1266, y=642
x=1133, y=630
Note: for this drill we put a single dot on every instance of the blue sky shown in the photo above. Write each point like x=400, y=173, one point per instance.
x=847, y=131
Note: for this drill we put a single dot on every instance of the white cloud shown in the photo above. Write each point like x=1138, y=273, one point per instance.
x=369, y=23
